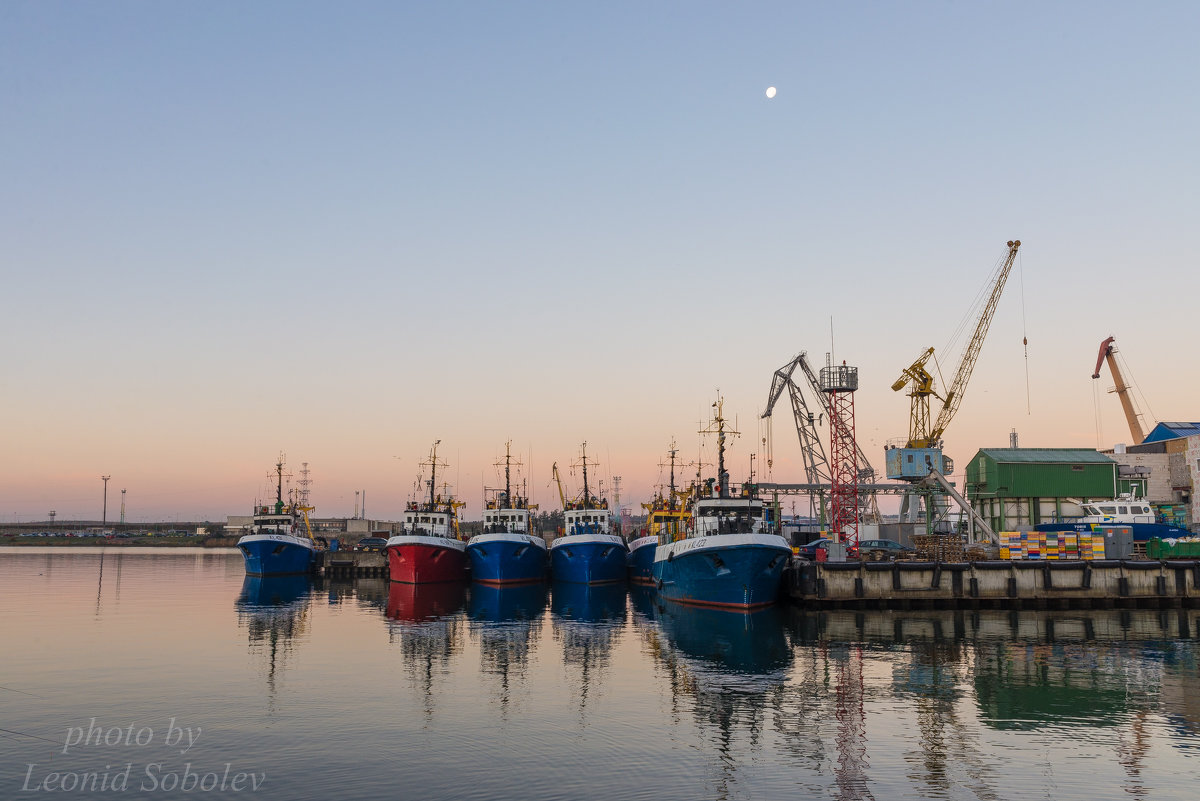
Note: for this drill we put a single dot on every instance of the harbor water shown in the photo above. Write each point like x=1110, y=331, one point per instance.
x=156, y=673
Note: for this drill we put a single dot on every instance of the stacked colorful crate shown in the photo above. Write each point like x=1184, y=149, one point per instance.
x=1010, y=545
x=1097, y=545
x=1052, y=540
x=1085, y=546
x=1033, y=544
x=1070, y=545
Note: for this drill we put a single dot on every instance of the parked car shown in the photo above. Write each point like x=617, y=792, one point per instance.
x=878, y=550
x=809, y=551
x=371, y=544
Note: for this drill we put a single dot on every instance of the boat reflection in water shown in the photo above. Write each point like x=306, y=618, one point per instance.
x=726, y=666
x=506, y=621
x=512, y=604
x=425, y=622
x=588, y=603
x=643, y=600
x=417, y=603
x=587, y=621
x=275, y=612
x=727, y=646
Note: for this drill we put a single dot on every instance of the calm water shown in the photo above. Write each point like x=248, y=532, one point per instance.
x=340, y=690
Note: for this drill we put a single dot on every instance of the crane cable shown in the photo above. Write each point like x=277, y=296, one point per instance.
x=1133, y=385
x=974, y=311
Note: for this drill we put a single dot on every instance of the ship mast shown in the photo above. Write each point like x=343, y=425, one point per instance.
x=671, y=499
x=433, y=474
x=719, y=422
x=279, y=486
x=507, y=485
x=586, y=497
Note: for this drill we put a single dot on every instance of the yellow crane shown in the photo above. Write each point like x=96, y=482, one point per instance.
x=562, y=496
x=922, y=387
x=923, y=453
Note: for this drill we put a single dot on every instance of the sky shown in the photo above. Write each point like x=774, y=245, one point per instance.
x=345, y=231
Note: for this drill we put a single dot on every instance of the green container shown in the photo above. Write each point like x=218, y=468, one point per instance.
x=1157, y=549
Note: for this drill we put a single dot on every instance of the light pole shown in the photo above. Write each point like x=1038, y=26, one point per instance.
x=104, y=514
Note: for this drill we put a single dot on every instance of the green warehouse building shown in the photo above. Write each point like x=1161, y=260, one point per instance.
x=1016, y=488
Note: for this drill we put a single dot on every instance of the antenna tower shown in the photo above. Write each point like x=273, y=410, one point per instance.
x=839, y=384
x=305, y=484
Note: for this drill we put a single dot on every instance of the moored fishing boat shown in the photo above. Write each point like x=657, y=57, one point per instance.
x=507, y=551
x=666, y=520
x=429, y=547
x=280, y=541
x=588, y=552
x=730, y=556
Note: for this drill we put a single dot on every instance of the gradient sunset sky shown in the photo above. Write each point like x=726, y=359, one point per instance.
x=343, y=231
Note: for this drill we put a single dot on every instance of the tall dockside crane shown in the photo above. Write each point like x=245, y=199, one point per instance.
x=1132, y=416
x=922, y=456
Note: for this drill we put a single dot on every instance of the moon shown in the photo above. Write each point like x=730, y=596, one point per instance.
x=770, y=92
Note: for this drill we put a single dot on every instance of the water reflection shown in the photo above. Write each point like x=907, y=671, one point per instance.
x=932, y=679
x=731, y=647
x=587, y=623
x=518, y=604
x=726, y=666
x=507, y=623
x=643, y=599
x=275, y=612
x=424, y=622
x=1022, y=673
x=114, y=564
x=416, y=603
x=368, y=593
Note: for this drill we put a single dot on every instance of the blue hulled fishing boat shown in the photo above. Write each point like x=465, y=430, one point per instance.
x=730, y=556
x=588, y=552
x=280, y=541
x=507, y=551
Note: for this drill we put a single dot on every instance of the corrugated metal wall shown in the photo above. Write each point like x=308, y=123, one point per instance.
x=1057, y=480
x=987, y=478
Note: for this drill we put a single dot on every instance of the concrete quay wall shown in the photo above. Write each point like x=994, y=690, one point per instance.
x=1007, y=584
x=349, y=564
